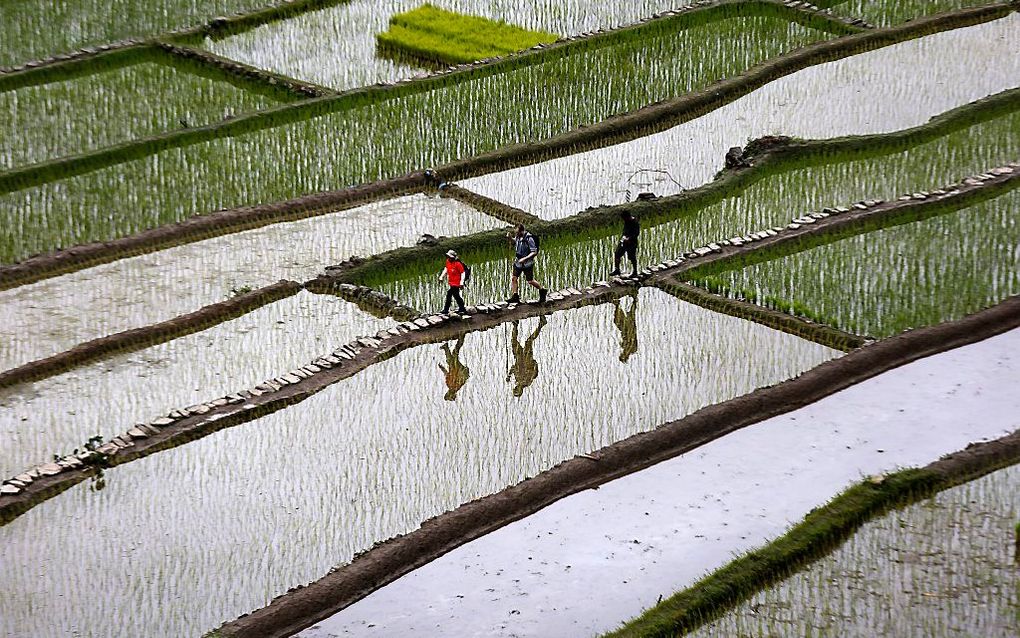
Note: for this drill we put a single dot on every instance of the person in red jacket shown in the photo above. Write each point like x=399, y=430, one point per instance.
x=457, y=274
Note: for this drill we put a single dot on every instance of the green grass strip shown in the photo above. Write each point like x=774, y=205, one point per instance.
x=436, y=35
x=821, y=531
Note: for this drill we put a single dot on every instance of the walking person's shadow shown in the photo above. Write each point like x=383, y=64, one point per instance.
x=525, y=368
x=456, y=372
x=626, y=323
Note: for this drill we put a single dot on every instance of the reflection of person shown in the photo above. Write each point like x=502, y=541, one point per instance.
x=626, y=323
x=628, y=244
x=457, y=275
x=456, y=372
x=525, y=250
x=525, y=368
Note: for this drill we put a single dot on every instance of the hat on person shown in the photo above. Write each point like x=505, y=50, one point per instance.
x=452, y=254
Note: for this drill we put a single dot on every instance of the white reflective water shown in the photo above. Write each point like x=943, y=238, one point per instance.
x=53, y=315
x=890, y=89
x=199, y=534
x=58, y=414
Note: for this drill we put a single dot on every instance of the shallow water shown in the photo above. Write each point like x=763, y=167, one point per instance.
x=53, y=315
x=904, y=277
x=941, y=567
x=874, y=92
x=55, y=119
x=58, y=414
x=886, y=12
x=388, y=136
x=196, y=535
x=33, y=29
x=774, y=200
x=336, y=46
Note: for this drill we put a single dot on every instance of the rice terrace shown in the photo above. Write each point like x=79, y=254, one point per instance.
x=331, y=318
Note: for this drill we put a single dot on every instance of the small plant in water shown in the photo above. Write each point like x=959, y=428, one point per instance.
x=237, y=291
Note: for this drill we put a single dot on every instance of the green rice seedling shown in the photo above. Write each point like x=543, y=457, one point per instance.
x=109, y=396
x=909, y=276
x=389, y=138
x=360, y=462
x=934, y=568
x=789, y=189
x=143, y=95
x=33, y=29
x=435, y=35
x=146, y=289
x=886, y=12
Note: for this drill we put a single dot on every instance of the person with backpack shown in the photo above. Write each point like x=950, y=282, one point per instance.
x=457, y=274
x=525, y=250
x=628, y=244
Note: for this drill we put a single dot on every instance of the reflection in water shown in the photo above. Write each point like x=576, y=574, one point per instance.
x=626, y=323
x=525, y=368
x=456, y=372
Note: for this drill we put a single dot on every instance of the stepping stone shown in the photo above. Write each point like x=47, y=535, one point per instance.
x=725, y=242
x=198, y=409
x=162, y=422
x=574, y=291
x=736, y=241
x=50, y=469
x=860, y=206
x=24, y=478
x=301, y=373
x=793, y=226
x=256, y=392
x=421, y=322
x=333, y=359
x=322, y=364
x=107, y=448
x=219, y=403
x=555, y=296
x=803, y=221
x=291, y=378
x=235, y=398
x=15, y=482
x=714, y=247
x=843, y=209
x=819, y=215
x=970, y=181
x=501, y=304
x=1002, y=170
x=137, y=433
x=148, y=429
x=435, y=320
x=396, y=331
x=177, y=414
x=903, y=198
x=701, y=252
x=312, y=368
x=9, y=490
x=121, y=442
x=771, y=233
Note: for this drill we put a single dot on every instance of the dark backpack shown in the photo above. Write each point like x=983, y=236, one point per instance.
x=538, y=243
x=467, y=273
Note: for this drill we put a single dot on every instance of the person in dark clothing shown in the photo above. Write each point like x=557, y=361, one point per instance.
x=525, y=368
x=628, y=244
x=457, y=274
x=626, y=323
x=455, y=372
x=525, y=250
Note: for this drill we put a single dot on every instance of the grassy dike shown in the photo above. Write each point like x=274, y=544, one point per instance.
x=435, y=35
x=821, y=531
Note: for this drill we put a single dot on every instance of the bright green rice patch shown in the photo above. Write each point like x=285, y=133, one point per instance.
x=801, y=185
x=908, y=276
x=447, y=37
x=389, y=138
x=108, y=106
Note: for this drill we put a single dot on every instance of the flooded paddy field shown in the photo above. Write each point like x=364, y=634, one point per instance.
x=886, y=12
x=33, y=29
x=358, y=462
x=112, y=105
x=336, y=46
x=873, y=92
x=388, y=137
x=661, y=529
x=908, y=276
x=53, y=315
x=58, y=414
x=806, y=185
x=942, y=567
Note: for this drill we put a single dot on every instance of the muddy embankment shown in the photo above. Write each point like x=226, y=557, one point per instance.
x=650, y=119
